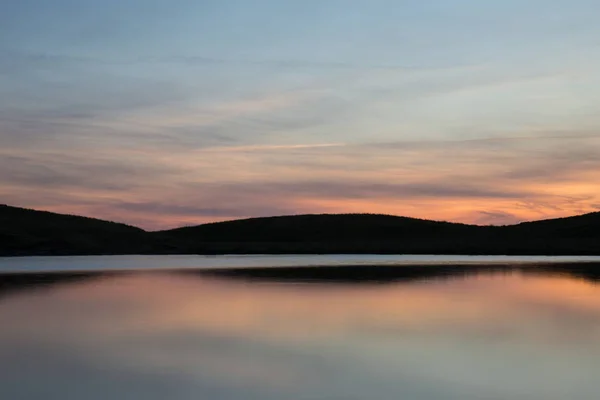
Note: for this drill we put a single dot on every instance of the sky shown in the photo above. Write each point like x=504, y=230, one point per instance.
x=167, y=113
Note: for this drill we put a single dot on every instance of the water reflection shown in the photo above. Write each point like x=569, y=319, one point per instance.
x=473, y=332
x=368, y=274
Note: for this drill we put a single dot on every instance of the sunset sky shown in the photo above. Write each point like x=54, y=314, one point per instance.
x=166, y=113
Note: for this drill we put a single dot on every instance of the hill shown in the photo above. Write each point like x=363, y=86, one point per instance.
x=580, y=226
x=385, y=234
x=30, y=232
x=329, y=227
x=324, y=233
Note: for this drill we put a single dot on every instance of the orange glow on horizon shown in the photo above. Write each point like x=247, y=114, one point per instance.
x=194, y=186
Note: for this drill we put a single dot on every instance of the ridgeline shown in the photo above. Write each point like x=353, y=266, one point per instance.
x=30, y=232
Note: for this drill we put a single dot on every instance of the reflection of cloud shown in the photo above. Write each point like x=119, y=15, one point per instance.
x=144, y=334
x=286, y=312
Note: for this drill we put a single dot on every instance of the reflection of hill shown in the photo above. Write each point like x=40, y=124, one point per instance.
x=29, y=232
x=367, y=274
x=351, y=274
x=10, y=283
x=589, y=272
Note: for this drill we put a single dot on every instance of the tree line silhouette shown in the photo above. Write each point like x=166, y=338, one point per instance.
x=31, y=232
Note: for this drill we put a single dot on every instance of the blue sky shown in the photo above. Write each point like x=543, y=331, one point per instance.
x=162, y=113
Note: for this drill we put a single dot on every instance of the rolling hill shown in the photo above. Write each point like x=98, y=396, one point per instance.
x=31, y=232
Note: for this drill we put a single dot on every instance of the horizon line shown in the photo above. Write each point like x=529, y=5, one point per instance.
x=296, y=215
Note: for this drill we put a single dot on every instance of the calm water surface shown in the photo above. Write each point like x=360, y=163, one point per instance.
x=497, y=334
x=94, y=263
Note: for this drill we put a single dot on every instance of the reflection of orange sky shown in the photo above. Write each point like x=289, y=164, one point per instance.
x=274, y=335
x=304, y=312
x=156, y=303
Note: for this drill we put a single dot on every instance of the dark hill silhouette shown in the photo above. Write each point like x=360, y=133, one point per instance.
x=30, y=232
x=385, y=234
x=330, y=227
x=581, y=226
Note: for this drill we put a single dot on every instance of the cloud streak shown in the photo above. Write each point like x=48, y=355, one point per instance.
x=469, y=181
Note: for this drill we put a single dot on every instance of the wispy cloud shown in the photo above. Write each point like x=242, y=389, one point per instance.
x=273, y=147
x=189, y=118
x=513, y=179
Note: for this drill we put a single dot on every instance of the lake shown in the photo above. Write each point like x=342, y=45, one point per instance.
x=269, y=327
